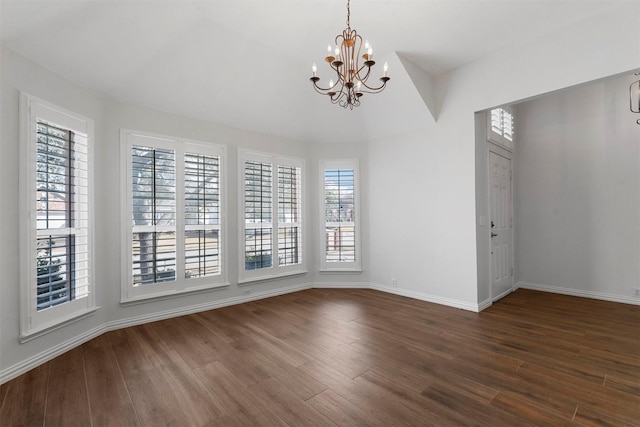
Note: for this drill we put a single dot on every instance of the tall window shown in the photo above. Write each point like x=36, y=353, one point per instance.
x=56, y=161
x=340, y=199
x=272, y=205
x=174, y=208
x=500, y=127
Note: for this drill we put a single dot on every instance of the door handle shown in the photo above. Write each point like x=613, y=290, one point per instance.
x=494, y=234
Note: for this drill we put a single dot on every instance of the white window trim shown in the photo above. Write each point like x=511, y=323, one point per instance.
x=34, y=323
x=355, y=266
x=499, y=138
x=275, y=271
x=134, y=294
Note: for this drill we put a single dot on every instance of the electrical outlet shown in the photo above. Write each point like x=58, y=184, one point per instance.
x=394, y=282
x=247, y=291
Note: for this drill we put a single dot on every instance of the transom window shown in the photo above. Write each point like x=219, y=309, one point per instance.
x=500, y=126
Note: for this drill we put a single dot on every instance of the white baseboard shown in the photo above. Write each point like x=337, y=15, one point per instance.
x=578, y=293
x=504, y=294
x=26, y=365
x=53, y=352
x=197, y=308
x=489, y=301
x=32, y=362
x=485, y=304
x=426, y=297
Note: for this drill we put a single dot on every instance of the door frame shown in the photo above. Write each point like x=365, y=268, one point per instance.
x=508, y=154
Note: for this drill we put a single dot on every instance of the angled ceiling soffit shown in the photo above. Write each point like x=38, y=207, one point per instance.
x=423, y=82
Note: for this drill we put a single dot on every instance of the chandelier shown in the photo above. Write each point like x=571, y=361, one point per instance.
x=352, y=75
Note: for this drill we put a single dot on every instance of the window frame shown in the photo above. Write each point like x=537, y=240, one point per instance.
x=341, y=266
x=34, y=322
x=275, y=270
x=131, y=293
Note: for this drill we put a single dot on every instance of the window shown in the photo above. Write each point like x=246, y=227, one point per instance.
x=174, y=216
x=56, y=253
x=500, y=127
x=272, y=235
x=340, y=219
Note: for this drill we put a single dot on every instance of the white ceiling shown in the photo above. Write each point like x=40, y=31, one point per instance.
x=247, y=63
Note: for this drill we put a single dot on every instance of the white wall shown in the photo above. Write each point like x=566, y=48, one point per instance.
x=439, y=173
x=419, y=190
x=418, y=216
x=21, y=74
x=577, y=192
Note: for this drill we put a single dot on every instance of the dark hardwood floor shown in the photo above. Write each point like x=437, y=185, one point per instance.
x=349, y=357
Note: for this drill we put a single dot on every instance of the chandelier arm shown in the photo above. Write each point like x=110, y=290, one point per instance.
x=372, y=89
x=366, y=76
x=320, y=89
x=335, y=99
x=335, y=67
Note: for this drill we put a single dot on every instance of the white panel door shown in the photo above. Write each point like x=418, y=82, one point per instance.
x=501, y=226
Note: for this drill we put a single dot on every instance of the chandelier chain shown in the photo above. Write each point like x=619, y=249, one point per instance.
x=348, y=15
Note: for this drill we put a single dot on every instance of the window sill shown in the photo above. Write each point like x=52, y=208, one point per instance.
x=340, y=270
x=41, y=331
x=271, y=277
x=141, y=299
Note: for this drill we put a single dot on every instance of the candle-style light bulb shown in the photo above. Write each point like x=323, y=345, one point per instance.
x=337, y=51
x=385, y=67
x=358, y=86
x=370, y=53
x=314, y=68
x=329, y=49
x=331, y=83
x=366, y=44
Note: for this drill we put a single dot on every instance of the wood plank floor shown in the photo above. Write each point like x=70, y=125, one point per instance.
x=349, y=358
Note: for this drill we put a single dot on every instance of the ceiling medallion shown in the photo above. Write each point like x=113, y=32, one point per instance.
x=352, y=75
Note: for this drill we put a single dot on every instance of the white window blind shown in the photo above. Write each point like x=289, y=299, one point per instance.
x=57, y=282
x=202, y=215
x=271, y=240
x=341, y=243
x=174, y=202
x=258, y=215
x=501, y=126
x=153, y=187
x=61, y=215
x=289, y=215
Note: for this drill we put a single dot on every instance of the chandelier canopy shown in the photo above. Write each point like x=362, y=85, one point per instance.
x=352, y=75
